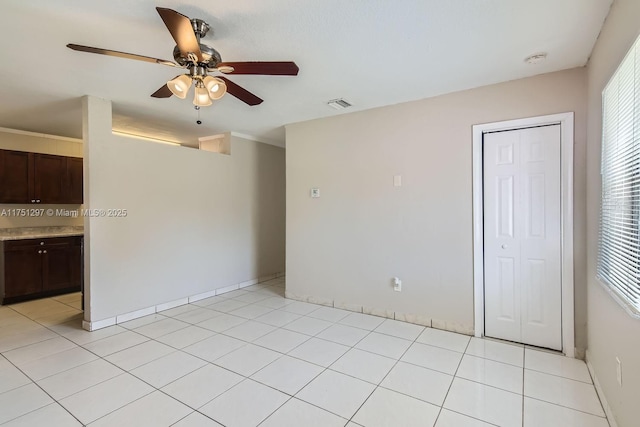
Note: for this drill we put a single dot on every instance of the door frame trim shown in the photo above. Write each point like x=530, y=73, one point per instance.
x=566, y=122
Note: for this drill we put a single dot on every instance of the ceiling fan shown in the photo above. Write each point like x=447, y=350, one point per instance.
x=200, y=60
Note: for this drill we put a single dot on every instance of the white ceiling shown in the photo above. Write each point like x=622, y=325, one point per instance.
x=371, y=52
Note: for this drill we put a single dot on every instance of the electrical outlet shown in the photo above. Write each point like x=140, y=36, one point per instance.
x=619, y=371
x=397, y=284
x=315, y=193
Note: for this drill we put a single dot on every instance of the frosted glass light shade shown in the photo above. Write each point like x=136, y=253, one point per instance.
x=216, y=87
x=201, y=97
x=180, y=86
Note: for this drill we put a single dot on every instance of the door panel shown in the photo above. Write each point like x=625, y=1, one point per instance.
x=62, y=264
x=74, y=186
x=15, y=176
x=522, y=215
x=502, y=256
x=507, y=291
x=542, y=321
x=50, y=178
x=23, y=271
x=535, y=270
x=534, y=198
x=504, y=220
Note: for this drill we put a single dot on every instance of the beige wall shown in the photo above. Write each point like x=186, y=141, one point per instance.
x=196, y=221
x=36, y=143
x=348, y=244
x=612, y=332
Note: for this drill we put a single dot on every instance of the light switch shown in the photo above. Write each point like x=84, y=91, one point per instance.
x=397, y=181
x=315, y=193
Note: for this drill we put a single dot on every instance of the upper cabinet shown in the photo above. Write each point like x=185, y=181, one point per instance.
x=40, y=178
x=74, y=186
x=15, y=177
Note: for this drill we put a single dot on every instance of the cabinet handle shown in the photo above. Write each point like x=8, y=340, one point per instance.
x=38, y=201
x=41, y=243
x=39, y=252
x=44, y=252
x=33, y=201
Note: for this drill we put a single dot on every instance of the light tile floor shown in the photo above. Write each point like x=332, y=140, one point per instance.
x=251, y=357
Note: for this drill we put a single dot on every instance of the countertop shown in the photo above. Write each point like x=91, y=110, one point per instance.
x=39, y=232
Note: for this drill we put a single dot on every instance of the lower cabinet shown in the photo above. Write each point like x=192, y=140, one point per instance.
x=35, y=268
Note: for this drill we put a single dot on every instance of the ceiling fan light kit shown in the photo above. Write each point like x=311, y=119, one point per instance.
x=201, y=96
x=216, y=87
x=199, y=60
x=180, y=86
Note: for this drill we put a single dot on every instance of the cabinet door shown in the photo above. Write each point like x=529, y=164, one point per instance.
x=61, y=267
x=74, y=185
x=50, y=174
x=23, y=271
x=15, y=177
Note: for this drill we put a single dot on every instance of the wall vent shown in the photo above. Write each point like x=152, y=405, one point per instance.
x=339, y=104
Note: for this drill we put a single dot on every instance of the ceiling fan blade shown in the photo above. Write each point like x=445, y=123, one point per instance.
x=125, y=55
x=241, y=93
x=276, y=68
x=182, y=32
x=163, y=92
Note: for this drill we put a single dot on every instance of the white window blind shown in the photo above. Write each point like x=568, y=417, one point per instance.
x=619, y=251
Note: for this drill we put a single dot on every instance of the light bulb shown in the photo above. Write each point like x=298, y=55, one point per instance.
x=216, y=87
x=180, y=86
x=201, y=97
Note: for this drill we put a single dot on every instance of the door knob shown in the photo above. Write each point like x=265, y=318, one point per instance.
x=504, y=246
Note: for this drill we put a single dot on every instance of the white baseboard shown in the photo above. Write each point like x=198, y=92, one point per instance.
x=227, y=289
x=417, y=319
x=136, y=314
x=98, y=324
x=172, y=304
x=104, y=323
x=204, y=295
x=605, y=405
x=248, y=283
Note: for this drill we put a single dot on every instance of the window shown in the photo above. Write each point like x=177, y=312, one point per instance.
x=619, y=248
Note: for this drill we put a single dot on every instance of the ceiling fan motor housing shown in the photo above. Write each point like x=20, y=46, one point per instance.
x=210, y=56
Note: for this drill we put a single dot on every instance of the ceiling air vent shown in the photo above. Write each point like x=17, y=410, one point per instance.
x=339, y=104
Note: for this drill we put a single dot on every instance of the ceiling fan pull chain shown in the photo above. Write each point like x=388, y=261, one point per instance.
x=198, y=121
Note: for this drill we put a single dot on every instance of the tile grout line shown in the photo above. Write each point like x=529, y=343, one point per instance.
x=308, y=315
x=43, y=390
x=104, y=381
x=524, y=369
x=99, y=357
x=452, y=380
x=387, y=374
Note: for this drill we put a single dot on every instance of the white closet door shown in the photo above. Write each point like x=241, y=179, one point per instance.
x=522, y=236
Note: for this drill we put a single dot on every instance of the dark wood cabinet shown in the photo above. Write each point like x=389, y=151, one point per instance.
x=49, y=178
x=15, y=177
x=35, y=268
x=61, y=266
x=40, y=178
x=23, y=271
x=75, y=180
